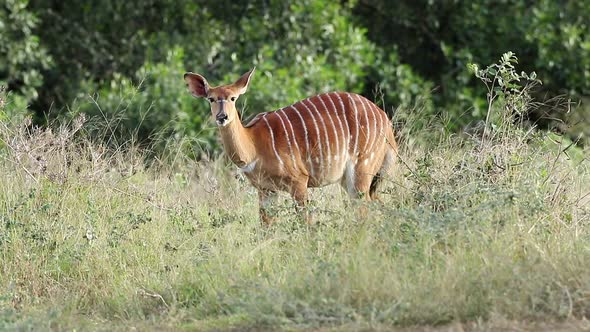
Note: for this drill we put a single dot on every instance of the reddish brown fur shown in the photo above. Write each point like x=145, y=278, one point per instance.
x=333, y=137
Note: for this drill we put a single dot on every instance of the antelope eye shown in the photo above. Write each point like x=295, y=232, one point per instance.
x=211, y=99
x=233, y=98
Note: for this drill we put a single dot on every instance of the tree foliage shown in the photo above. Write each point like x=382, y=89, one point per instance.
x=438, y=38
x=22, y=55
x=124, y=60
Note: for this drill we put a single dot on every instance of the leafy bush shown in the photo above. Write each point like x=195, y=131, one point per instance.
x=131, y=110
x=560, y=33
x=154, y=102
x=400, y=54
x=22, y=56
x=438, y=39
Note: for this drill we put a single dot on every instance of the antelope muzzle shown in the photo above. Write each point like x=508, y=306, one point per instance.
x=221, y=117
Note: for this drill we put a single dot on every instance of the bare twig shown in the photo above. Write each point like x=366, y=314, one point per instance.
x=154, y=295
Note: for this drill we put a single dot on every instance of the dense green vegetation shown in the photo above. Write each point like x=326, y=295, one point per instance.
x=110, y=220
x=123, y=60
x=489, y=232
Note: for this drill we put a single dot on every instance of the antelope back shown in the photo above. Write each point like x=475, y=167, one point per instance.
x=321, y=134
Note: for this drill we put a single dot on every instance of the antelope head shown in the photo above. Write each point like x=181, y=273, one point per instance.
x=222, y=98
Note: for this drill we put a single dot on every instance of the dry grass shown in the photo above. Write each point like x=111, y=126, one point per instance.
x=91, y=238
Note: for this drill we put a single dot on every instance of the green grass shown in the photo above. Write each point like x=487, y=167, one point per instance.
x=468, y=233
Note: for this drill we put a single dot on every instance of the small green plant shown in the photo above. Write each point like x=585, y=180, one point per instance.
x=505, y=84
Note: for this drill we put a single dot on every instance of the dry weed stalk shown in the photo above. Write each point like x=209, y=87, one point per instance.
x=52, y=153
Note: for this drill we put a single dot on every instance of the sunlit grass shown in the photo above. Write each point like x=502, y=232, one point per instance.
x=95, y=240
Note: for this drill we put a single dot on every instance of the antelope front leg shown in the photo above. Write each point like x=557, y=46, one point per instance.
x=265, y=201
x=299, y=194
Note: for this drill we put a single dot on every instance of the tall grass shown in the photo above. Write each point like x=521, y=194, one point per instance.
x=91, y=238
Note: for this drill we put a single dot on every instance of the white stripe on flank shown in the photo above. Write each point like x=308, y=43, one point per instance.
x=325, y=132
x=272, y=139
x=345, y=121
x=335, y=109
x=327, y=110
x=292, y=131
x=346, y=137
x=371, y=110
x=307, y=151
x=356, y=122
x=378, y=125
x=367, y=129
x=286, y=135
x=385, y=125
x=375, y=112
x=319, y=141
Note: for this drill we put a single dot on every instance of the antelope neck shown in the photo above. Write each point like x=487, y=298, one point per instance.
x=238, y=143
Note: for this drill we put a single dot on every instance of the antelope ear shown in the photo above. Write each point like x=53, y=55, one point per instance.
x=197, y=84
x=242, y=83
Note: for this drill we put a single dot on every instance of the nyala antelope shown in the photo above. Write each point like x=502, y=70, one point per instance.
x=332, y=137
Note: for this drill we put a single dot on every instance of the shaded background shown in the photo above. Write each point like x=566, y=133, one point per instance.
x=124, y=61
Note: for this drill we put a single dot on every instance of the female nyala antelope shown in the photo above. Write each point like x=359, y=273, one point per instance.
x=328, y=138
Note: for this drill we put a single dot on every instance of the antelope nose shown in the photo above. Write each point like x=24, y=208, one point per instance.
x=221, y=117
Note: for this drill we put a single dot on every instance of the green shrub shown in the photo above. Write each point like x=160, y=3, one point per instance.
x=152, y=107
x=154, y=102
x=22, y=59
